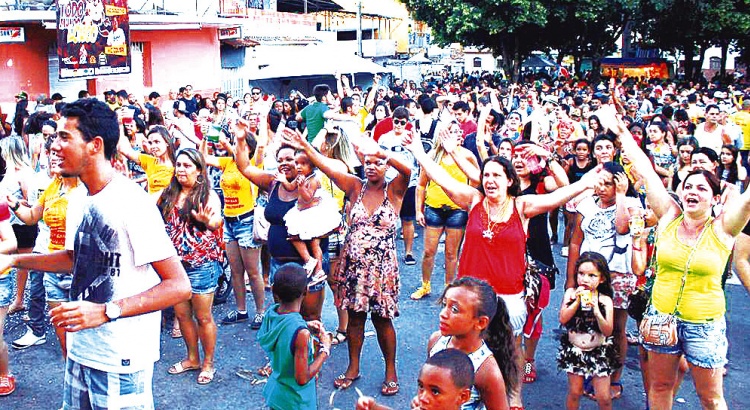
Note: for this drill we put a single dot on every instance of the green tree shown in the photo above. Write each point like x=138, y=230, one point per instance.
x=515, y=28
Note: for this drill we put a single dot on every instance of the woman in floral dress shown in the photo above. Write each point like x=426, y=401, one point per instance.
x=368, y=273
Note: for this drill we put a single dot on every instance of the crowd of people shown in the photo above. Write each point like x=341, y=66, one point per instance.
x=116, y=209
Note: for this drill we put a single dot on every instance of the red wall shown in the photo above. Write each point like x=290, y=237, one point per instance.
x=23, y=66
x=171, y=59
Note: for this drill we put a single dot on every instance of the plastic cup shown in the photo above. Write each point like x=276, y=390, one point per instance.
x=213, y=133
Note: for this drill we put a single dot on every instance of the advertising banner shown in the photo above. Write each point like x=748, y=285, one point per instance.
x=93, y=38
x=12, y=35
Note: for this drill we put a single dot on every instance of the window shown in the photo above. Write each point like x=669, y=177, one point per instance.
x=477, y=62
x=714, y=63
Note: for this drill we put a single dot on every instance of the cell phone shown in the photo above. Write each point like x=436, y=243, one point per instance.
x=292, y=124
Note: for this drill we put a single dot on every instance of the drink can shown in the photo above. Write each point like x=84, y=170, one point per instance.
x=586, y=302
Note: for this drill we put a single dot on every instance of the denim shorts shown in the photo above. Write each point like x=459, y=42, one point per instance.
x=408, y=210
x=445, y=217
x=276, y=264
x=241, y=230
x=703, y=344
x=203, y=278
x=57, y=286
x=7, y=289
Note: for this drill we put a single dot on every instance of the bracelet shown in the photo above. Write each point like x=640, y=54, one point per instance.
x=14, y=209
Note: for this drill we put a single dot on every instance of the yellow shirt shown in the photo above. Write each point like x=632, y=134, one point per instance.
x=332, y=189
x=158, y=175
x=54, y=201
x=239, y=192
x=703, y=298
x=742, y=119
x=361, y=117
x=435, y=197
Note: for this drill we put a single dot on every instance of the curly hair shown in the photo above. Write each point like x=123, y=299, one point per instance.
x=499, y=333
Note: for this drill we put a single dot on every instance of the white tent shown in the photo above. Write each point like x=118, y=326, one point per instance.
x=317, y=60
x=418, y=59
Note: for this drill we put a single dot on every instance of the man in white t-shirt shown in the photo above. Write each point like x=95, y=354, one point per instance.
x=711, y=133
x=125, y=268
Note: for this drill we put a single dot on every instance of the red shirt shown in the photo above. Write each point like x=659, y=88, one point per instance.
x=468, y=127
x=500, y=261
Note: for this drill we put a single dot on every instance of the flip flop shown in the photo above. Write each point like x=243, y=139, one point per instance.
x=206, y=376
x=15, y=309
x=529, y=372
x=617, y=394
x=179, y=368
x=342, y=382
x=338, y=337
x=588, y=388
x=389, y=388
x=176, y=333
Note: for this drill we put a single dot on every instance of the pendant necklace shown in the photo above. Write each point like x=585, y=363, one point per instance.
x=488, y=233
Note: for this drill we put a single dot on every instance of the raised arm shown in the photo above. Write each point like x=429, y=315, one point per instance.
x=467, y=162
x=532, y=205
x=656, y=194
x=211, y=160
x=736, y=214
x=124, y=147
x=461, y=194
x=257, y=176
x=336, y=170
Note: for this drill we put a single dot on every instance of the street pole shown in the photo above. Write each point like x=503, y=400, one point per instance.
x=305, y=6
x=359, y=30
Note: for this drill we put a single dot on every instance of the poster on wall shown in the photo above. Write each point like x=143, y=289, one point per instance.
x=93, y=38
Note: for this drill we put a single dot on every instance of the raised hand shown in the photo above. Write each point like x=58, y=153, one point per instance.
x=621, y=183
x=203, y=214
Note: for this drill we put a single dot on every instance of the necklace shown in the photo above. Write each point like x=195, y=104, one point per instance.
x=489, y=232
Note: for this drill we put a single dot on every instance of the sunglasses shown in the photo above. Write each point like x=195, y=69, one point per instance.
x=399, y=122
x=256, y=93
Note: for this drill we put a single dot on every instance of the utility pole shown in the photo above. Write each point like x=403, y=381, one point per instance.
x=305, y=6
x=359, y=29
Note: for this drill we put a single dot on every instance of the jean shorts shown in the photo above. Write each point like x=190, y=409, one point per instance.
x=57, y=286
x=276, y=264
x=241, y=230
x=7, y=289
x=445, y=217
x=203, y=278
x=703, y=344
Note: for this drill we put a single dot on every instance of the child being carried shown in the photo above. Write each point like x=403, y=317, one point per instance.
x=314, y=218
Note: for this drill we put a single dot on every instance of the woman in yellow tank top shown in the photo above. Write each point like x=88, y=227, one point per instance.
x=691, y=244
x=158, y=163
x=437, y=213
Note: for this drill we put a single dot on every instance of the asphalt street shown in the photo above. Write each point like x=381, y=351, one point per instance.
x=39, y=369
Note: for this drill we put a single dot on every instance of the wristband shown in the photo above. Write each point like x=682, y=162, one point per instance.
x=323, y=349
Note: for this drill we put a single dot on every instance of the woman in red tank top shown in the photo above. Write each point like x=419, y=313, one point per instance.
x=495, y=241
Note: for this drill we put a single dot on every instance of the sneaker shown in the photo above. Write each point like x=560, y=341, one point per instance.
x=28, y=339
x=320, y=276
x=7, y=384
x=234, y=317
x=257, y=320
x=564, y=251
x=310, y=265
x=422, y=291
x=409, y=259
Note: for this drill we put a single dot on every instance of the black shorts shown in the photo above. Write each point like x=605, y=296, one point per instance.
x=408, y=206
x=25, y=235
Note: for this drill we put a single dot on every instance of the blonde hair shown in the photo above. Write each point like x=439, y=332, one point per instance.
x=14, y=153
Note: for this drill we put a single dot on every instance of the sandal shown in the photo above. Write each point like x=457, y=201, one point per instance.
x=13, y=309
x=338, y=337
x=389, y=388
x=617, y=394
x=588, y=388
x=179, y=368
x=265, y=371
x=206, y=376
x=342, y=382
x=176, y=333
x=529, y=371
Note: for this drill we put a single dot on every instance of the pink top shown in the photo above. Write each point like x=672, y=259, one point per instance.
x=500, y=261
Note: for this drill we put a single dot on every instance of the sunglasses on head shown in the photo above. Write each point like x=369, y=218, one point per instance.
x=399, y=122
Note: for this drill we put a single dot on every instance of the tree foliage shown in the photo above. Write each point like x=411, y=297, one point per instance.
x=584, y=28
